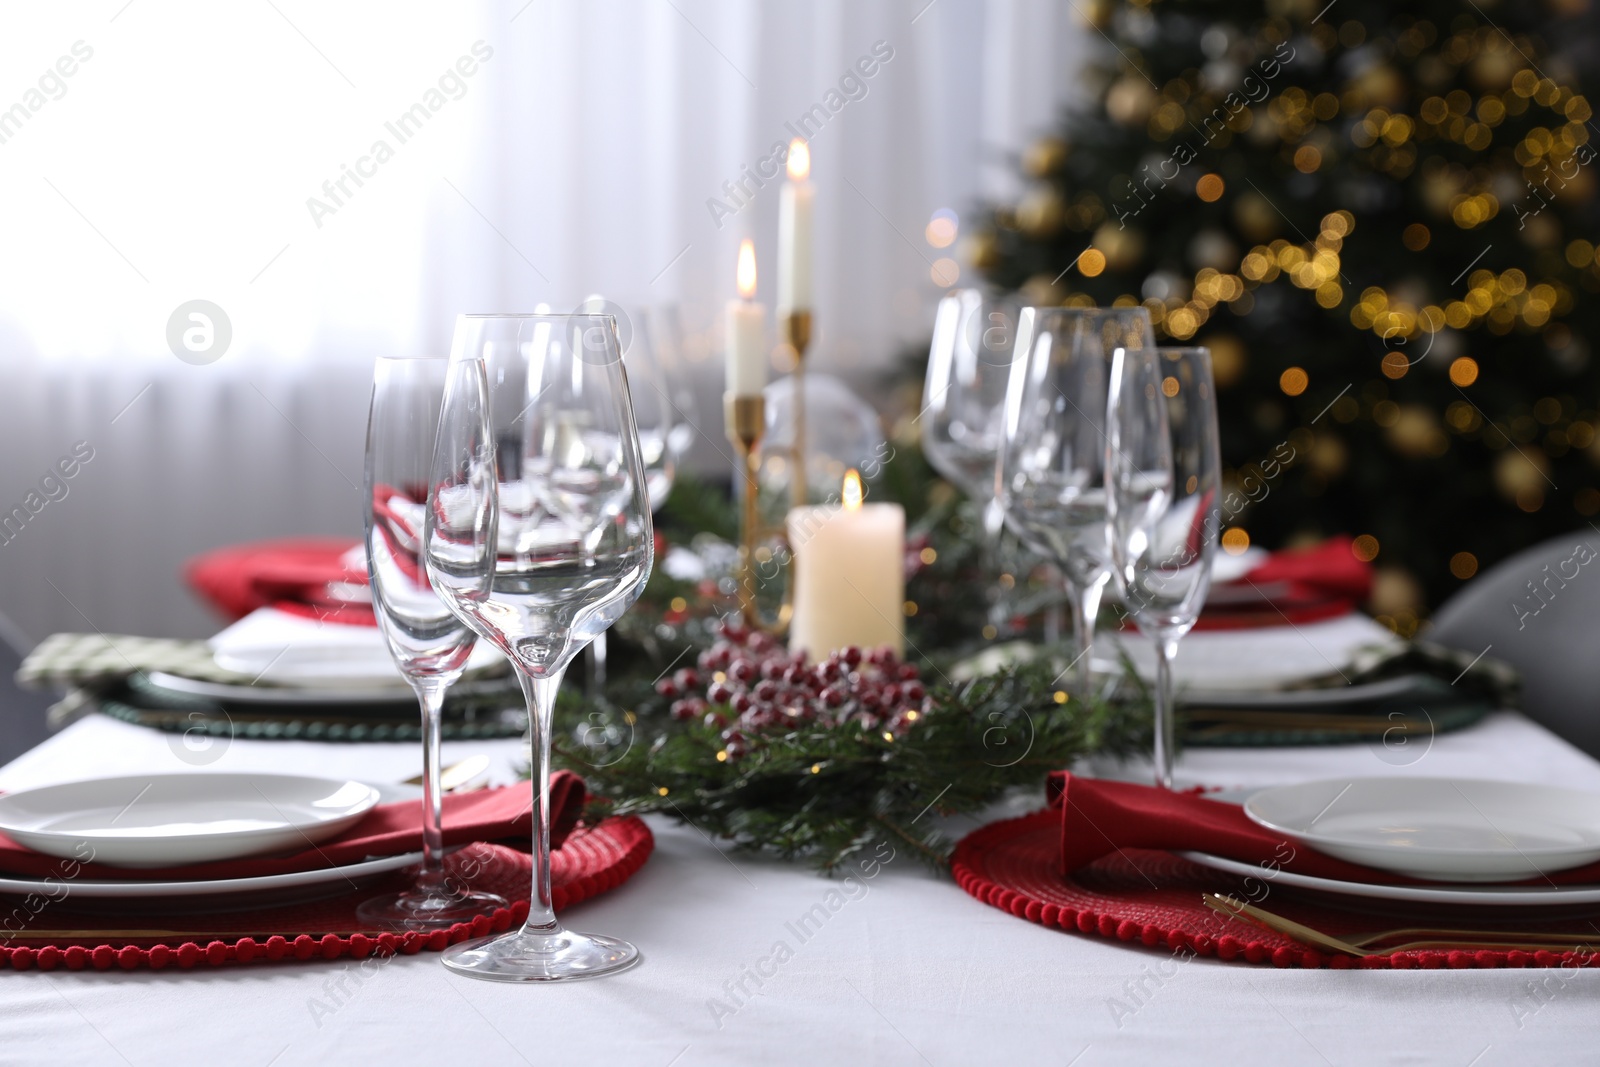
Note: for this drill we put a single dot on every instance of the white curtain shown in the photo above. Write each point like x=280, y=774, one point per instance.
x=342, y=180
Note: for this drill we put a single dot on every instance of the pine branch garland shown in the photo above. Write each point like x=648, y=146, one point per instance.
x=821, y=792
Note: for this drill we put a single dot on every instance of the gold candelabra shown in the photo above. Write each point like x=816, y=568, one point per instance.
x=746, y=420
x=797, y=332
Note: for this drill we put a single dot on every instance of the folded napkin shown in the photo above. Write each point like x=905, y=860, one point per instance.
x=1292, y=585
x=1100, y=817
x=285, y=647
x=277, y=647
x=1331, y=567
x=503, y=815
x=316, y=577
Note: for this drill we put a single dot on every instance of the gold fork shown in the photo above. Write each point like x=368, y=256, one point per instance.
x=1422, y=937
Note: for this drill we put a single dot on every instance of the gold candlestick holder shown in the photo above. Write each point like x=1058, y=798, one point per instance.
x=746, y=419
x=797, y=332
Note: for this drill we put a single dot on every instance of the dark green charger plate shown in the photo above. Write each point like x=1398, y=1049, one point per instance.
x=485, y=709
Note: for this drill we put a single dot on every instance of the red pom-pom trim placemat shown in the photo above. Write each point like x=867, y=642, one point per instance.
x=592, y=860
x=1014, y=866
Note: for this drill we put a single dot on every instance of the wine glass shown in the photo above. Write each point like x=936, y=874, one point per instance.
x=1162, y=474
x=429, y=644
x=658, y=346
x=1052, y=470
x=538, y=537
x=648, y=347
x=963, y=428
x=655, y=411
x=963, y=417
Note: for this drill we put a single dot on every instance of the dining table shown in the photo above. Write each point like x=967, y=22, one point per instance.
x=906, y=968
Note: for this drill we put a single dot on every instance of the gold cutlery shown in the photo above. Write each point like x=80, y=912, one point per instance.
x=457, y=774
x=1419, y=937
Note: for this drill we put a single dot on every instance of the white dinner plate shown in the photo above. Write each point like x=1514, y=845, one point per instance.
x=167, y=820
x=218, y=889
x=1330, y=697
x=294, y=694
x=283, y=694
x=1260, y=658
x=1477, y=895
x=1447, y=829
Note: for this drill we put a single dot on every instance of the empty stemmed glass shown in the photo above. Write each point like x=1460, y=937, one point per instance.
x=650, y=346
x=963, y=428
x=964, y=396
x=1052, y=471
x=647, y=352
x=429, y=644
x=539, y=538
x=655, y=354
x=1162, y=475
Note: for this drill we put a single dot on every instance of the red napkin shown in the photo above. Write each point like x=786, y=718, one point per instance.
x=389, y=829
x=1331, y=567
x=1100, y=817
x=292, y=575
x=1291, y=586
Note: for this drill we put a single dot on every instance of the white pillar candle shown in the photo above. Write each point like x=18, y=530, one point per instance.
x=745, y=326
x=794, y=232
x=850, y=585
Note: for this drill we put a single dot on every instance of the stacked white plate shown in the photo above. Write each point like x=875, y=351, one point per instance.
x=171, y=820
x=1460, y=830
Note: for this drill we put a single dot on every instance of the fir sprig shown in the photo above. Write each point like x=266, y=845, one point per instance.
x=823, y=792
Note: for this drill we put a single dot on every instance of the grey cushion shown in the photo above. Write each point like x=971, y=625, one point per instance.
x=1540, y=612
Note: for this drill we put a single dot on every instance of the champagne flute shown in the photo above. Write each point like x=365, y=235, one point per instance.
x=429, y=644
x=1162, y=474
x=1052, y=471
x=539, y=538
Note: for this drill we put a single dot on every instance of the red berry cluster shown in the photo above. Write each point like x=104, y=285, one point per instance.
x=748, y=683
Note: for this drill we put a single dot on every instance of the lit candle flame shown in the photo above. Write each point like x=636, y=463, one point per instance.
x=747, y=269
x=799, y=160
x=851, y=493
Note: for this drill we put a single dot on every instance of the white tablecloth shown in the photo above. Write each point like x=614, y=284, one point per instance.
x=911, y=971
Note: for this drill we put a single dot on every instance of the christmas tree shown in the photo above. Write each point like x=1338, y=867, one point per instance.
x=1382, y=223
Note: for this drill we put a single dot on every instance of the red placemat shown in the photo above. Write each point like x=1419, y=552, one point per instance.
x=1015, y=865
x=591, y=861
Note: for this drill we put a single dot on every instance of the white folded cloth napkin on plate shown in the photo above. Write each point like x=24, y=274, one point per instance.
x=278, y=648
x=1221, y=661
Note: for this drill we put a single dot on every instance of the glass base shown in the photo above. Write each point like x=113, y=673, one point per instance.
x=563, y=955
x=419, y=911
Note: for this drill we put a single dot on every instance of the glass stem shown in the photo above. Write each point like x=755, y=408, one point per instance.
x=1165, y=733
x=1086, y=608
x=1052, y=624
x=541, y=696
x=431, y=880
x=990, y=564
x=597, y=665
